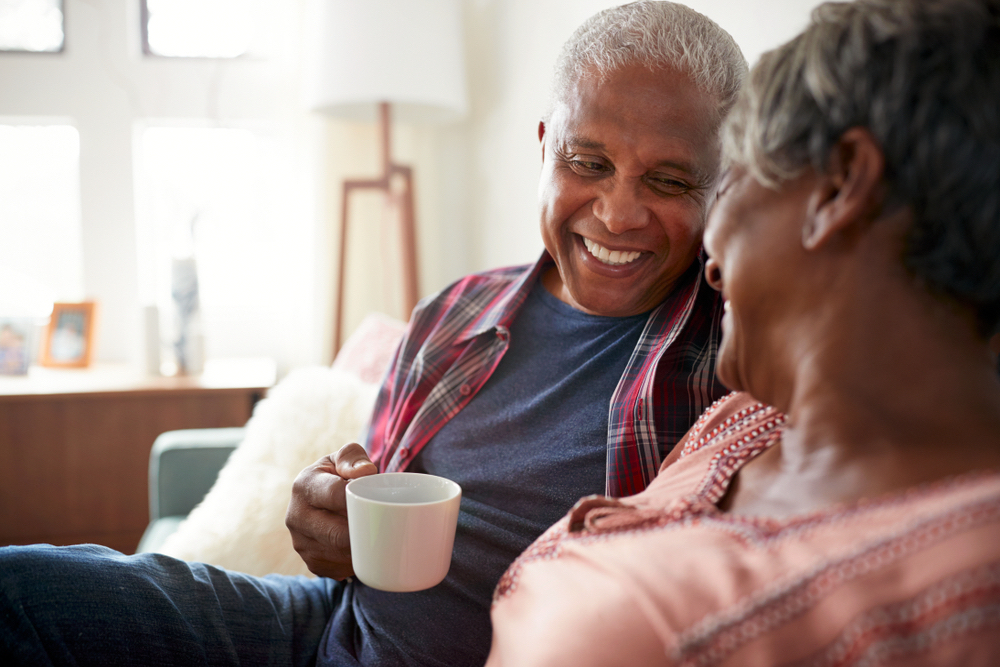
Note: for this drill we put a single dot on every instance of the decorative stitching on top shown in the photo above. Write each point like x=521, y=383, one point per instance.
x=720, y=634
x=958, y=605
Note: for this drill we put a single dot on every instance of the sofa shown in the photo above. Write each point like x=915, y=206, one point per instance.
x=219, y=495
x=183, y=466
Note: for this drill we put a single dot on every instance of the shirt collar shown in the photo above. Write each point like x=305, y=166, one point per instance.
x=502, y=311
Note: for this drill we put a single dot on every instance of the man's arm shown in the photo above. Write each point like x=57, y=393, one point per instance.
x=317, y=511
x=317, y=515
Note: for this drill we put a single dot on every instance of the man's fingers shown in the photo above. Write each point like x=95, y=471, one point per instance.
x=324, y=547
x=352, y=462
x=320, y=486
x=326, y=529
x=317, y=511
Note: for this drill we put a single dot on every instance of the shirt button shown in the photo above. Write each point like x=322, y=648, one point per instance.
x=465, y=390
x=403, y=452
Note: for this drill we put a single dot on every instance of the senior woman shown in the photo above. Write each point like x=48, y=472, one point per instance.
x=856, y=239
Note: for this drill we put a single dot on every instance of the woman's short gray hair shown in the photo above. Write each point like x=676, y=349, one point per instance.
x=923, y=76
x=657, y=35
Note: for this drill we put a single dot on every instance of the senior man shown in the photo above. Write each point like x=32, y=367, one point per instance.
x=529, y=386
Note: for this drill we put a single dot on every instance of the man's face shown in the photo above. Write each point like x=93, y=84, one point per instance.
x=628, y=165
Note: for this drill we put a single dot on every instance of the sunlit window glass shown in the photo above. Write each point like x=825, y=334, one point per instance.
x=199, y=28
x=41, y=248
x=31, y=25
x=224, y=198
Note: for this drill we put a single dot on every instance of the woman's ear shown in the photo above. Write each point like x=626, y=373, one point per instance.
x=849, y=192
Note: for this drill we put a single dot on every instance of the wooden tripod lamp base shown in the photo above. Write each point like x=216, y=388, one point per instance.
x=396, y=182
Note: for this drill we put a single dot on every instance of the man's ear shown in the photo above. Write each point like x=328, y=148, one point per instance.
x=849, y=192
x=541, y=137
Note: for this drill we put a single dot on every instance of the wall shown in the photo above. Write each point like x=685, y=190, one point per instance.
x=476, y=180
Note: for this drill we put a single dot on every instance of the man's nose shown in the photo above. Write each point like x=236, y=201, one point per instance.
x=620, y=207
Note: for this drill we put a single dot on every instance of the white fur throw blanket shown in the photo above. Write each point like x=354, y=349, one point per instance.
x=240, y=525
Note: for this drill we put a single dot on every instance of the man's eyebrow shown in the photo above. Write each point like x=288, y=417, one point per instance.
x=680, y=166
x=583, y=142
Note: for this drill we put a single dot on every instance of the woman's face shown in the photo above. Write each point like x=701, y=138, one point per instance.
x=754, y=242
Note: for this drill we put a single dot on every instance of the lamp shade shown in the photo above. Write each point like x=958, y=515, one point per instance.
x=405, y=52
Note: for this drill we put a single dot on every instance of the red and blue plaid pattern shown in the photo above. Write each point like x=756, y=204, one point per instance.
x=456, y=338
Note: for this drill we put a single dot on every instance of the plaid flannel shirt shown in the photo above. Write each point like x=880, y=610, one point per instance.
x=456, y=338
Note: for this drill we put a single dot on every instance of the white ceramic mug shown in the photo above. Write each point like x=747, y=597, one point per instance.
x=402, y=528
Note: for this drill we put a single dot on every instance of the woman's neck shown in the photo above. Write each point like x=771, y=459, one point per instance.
x=876, y=405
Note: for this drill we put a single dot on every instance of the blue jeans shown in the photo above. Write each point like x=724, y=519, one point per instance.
x=89, y=605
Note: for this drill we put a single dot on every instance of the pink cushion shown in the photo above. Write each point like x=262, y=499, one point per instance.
x=369, y=349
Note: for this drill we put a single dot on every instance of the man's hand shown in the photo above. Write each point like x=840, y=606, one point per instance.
x=317, y=512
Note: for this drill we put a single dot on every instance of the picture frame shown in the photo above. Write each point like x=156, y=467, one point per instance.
x=69, y=336
x=17, y=340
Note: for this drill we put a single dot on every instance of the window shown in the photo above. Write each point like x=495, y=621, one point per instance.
x=41, y=254
x=31, y=25
x=198, y=28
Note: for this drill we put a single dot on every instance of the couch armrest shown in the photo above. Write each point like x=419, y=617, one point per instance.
x=183, y=466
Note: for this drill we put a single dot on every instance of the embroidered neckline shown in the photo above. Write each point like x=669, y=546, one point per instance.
x=759, y=437
x=754, y=430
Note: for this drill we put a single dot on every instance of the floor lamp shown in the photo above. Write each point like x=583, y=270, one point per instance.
x=397, y=60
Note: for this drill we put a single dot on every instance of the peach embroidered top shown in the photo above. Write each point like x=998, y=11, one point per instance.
x=664, y=577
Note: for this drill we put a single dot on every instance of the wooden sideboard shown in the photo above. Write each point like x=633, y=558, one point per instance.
x=74, y=444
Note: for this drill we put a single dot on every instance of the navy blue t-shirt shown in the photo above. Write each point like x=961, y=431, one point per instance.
x=524, y=449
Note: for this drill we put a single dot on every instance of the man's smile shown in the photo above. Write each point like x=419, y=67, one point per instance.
x=611, y=257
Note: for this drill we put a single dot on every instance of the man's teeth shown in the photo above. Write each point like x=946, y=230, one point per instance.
x=613, y=257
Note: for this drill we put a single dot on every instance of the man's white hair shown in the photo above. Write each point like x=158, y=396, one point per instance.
x=658, y=35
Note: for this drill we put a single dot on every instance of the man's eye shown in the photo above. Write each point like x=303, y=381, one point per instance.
x=588, y=165
x=668, y=185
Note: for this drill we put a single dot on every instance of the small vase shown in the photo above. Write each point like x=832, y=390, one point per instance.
x=189, y=346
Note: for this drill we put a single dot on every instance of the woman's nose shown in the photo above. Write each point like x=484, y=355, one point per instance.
x=713, y=274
